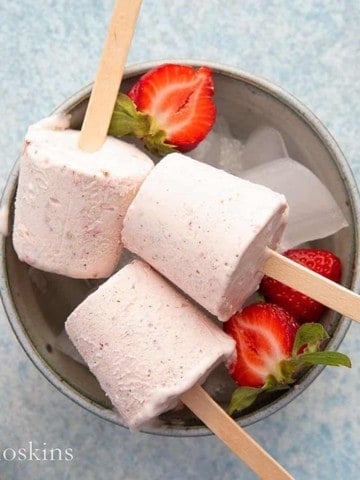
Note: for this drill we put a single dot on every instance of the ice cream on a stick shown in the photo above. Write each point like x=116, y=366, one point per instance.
x=70, y=204
x=205, y=230
x=214, y=235
x=151, y=347
x=74, y=187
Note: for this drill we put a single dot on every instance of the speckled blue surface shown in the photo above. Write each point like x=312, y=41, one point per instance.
x=49, y=49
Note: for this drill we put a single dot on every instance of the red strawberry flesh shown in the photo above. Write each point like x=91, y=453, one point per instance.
x=303, y=308
x=179, y=98
x=264, y=335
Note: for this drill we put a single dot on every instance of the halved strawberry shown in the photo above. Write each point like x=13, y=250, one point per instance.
x=179, y=97
x=264, y=335
x=303, y=308
x=172, y=108
x=271, y=348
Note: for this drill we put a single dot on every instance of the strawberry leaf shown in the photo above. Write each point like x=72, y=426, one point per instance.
x=273, y=385
x=242, y=398
x=126, y=120
x=155, y=142
x=260, y=298
x=335, y=359
x=288, y=368
x=309, y=335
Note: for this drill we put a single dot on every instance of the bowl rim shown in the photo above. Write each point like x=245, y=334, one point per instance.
x=291, y=102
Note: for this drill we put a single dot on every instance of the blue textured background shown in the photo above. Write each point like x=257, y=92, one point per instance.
x=49, y=49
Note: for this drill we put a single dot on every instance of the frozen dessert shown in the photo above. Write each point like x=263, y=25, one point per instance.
x=70, y=204
x=145, y=342
x=205, y=230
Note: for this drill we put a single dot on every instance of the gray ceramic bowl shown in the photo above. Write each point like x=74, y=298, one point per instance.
x=38, y=303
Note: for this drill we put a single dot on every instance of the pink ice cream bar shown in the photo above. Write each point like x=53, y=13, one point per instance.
x=145, y=342
x=70, y=204
x=205, y=230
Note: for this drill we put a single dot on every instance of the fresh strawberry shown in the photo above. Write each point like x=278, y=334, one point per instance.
x=179, y=98
x=271, y=349
x=303, y=308
x=172, y=108
x=264, y=335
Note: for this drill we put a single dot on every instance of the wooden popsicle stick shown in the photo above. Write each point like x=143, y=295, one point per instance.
x=112, y=63
x=235, y=437
x=313, y=285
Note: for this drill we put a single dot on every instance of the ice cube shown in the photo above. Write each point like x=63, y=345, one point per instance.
x=220, y=148
x=314, y=212
x=263, y=145
x=208, y=151
x=230, y=155
x=222, y=127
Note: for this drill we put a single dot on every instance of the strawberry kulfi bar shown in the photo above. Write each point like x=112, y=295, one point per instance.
x=70, y=204
x=205, y=230
x=145, y=342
